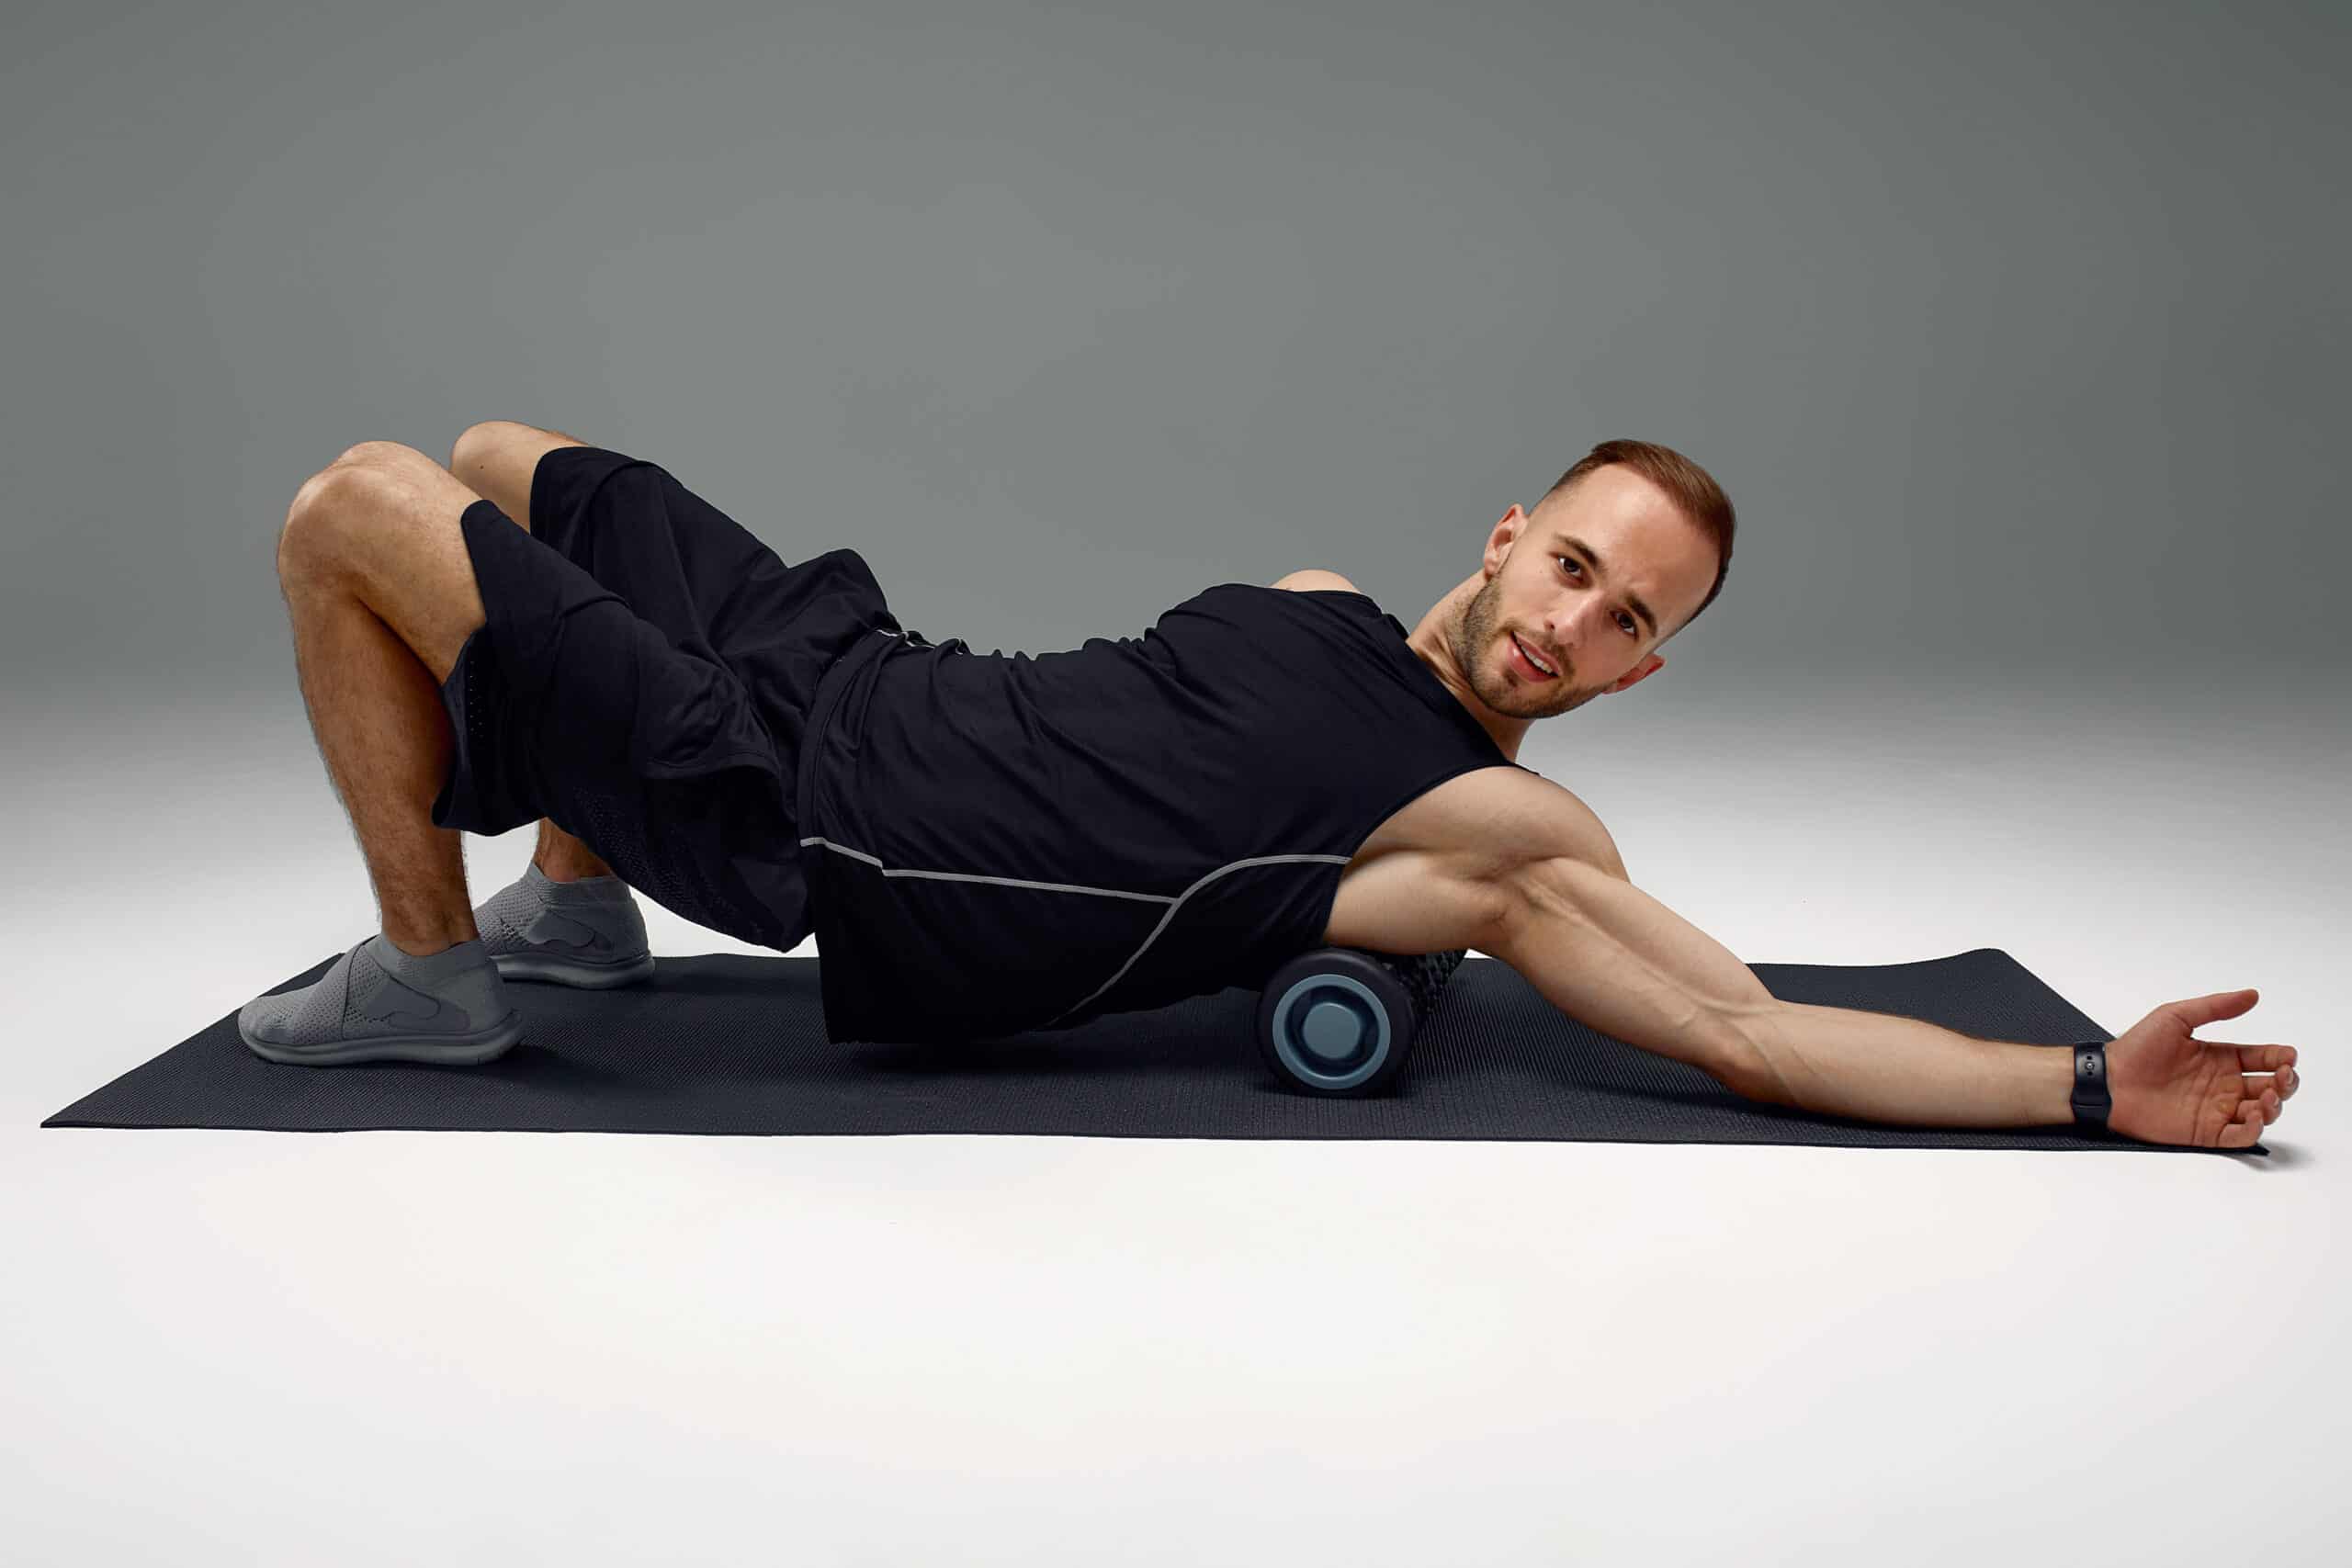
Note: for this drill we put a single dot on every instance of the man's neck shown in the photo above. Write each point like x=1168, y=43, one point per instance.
x=1431, y=642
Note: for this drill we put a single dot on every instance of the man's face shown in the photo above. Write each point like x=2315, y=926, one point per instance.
x=1576, y=612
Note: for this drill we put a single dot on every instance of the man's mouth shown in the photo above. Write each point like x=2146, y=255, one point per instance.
x=1529, y=666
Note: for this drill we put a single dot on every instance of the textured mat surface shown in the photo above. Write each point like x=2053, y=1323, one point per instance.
x=728, y=1043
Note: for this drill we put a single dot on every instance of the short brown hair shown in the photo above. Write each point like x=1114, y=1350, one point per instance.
x=1692, y=489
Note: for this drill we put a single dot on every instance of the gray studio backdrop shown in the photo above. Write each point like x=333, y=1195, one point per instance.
x=2017, y=332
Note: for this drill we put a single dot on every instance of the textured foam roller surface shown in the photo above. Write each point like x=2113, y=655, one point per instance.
x=728, y=1043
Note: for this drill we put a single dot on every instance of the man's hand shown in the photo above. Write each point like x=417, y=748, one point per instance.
x=2168, y=1087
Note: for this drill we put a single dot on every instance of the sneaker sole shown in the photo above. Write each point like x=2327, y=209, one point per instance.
x=452, y=1050
x=572, y=971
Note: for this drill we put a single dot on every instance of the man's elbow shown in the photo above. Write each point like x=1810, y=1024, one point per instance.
x=1740, y=1063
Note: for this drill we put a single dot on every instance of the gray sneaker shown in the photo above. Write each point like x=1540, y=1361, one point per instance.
x=360, y=1011
x=573, y=933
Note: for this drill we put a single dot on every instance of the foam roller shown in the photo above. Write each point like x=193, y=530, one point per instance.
x=1341, y=1020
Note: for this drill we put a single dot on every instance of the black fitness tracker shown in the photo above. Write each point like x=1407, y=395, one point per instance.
x=2090, y=1099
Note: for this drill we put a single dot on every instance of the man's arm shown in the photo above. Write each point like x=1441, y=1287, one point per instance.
x=1880, y=1066
x=1612, y=957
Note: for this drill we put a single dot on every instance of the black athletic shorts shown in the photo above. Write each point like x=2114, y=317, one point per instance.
x=644, y=681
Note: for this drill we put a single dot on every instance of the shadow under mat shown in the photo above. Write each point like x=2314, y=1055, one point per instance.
x=728, y=1043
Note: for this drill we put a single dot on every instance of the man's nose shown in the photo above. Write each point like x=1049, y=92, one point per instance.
x=1563, y=632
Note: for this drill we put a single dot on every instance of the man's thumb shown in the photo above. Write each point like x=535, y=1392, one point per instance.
x=2198, y=1011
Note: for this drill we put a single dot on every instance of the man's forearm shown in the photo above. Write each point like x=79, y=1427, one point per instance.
x=1878, y=1067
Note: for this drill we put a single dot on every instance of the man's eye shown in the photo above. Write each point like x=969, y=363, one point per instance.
x=1632, y=626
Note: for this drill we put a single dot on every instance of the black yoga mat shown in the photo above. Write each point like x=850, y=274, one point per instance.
x=728, y=1043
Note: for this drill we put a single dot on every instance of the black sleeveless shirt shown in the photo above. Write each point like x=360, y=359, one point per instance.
x=998, y=843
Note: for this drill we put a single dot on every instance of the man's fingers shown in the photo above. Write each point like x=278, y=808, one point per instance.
x=2243, y=1133
x=2280, y=1083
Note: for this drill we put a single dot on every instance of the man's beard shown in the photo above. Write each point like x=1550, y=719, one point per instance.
x=1479, y=630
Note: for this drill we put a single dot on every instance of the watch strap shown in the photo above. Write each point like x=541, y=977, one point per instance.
x=2090, y=1098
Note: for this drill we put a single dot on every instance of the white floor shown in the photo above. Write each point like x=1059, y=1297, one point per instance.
x=244, y=1348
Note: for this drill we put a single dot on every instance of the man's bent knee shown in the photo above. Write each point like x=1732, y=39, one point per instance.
x=306, y=544
x=376, y=452
x=499, y=460
x=477, y=441
x=489, y=433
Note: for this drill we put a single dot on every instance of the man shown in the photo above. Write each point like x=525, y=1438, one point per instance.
x=549, y=630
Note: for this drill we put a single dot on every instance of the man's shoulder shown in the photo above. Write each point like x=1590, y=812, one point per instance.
x=1446, y=864
x=1313, y=579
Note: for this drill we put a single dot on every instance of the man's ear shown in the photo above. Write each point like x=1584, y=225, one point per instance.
x=1498, y=542
x=1640, y=672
